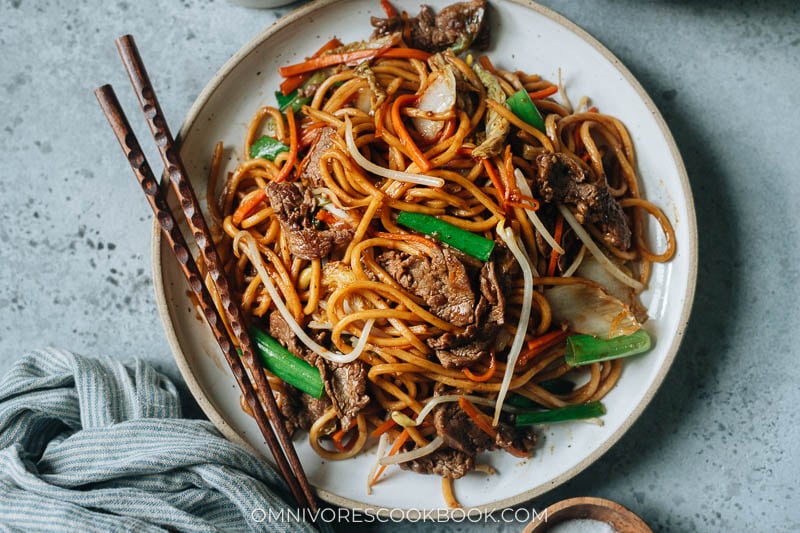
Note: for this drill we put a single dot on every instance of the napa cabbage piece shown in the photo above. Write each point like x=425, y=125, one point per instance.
x=588, y=308
x=438, y=97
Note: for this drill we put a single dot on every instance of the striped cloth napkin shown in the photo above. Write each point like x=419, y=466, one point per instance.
x=94, y=445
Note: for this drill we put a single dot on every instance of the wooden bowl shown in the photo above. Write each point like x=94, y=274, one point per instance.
x=617, y=516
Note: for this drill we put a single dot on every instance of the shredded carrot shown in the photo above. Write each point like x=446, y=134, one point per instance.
x=486, y=376
x=406, y=28
x=383, y=428
x=326, y=216
x=485, y=424
x=405, y=138
x=248, y=205
x=447, y=131
x=540, y=344
x=544, y=93
x=406, y=53
x=339, y=435
x=289, y=164
x=290, y=84
x=586, y=157
x=316, y=63
x=592, y=109
x=405, y=237
x=479, y=418
x=388, y=8
x=551, y=268
x=401, y=439
x=498, y=184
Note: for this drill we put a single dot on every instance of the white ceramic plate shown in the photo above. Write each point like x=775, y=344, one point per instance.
x=524, y=36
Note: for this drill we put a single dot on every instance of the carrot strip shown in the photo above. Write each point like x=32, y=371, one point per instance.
x=290, y=84
x=330, y=60
x=544, y=93
x=405, y=237
x=486, y=376
x=326, y=216
x=540, y=344
x=383, y=428
x=388, y=8
x=401, y=439
x=405, y=138
x=248, y=205
x=475, y=415
x=551, y=268
x=498, y=184
x=592, y=109
x=316, y=63
x=289, y=165
x=339, y=435
x=406, y=53
x=447, y=131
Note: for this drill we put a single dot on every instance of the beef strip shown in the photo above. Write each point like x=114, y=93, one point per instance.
x=295, y=208
x=495, y=278
x=300, y=410
x=560, y=178
x=448, y=463
x=458, y=26
x=461, y=433
x=441, y=280
x=310, y=173
x=345, y=384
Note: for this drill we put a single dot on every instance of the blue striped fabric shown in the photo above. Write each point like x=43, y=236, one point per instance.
x=93, y=445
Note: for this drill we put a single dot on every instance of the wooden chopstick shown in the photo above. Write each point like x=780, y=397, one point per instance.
x=289, y=464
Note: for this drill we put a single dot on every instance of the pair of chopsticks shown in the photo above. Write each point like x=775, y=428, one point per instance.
x=257, y=392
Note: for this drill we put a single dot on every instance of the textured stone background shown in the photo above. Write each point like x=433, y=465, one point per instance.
x=717, y=448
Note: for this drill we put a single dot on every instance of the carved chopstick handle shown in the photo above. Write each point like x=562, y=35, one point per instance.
x=169, y=226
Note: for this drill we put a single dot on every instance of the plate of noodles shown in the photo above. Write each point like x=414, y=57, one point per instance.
x=463, y=238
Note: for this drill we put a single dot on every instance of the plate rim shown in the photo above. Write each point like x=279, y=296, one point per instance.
x=207, y=405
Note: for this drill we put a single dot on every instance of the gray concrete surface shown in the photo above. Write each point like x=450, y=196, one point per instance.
x=717, y=448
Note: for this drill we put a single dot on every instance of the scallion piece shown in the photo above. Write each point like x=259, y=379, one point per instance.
x=282, y=363
x=293, y=100
x=521, y=105
x=467, y=242
x=585, y=349
x=267, y=148
x=562, y=414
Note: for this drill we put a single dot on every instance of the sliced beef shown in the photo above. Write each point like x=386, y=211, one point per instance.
x=560, y=178
x=441, y=280
x=448, y=463
x=295, y=210
x=301, y=410
x=459, y=431
x=345, y=384
x=279, y=330
x=310, y=173
x=458, y=26
x=494, y=282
